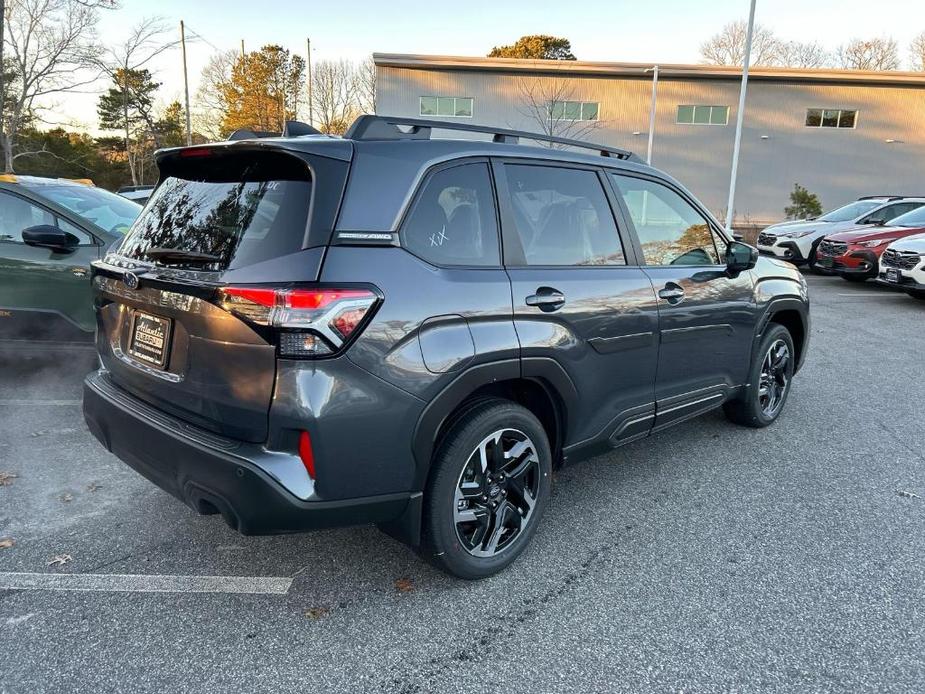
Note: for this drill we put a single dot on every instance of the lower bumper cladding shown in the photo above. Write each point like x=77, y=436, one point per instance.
x=216, y=475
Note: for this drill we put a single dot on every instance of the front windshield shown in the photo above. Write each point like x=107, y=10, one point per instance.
x=916, y=218
x=850, y=211
x=107, y=210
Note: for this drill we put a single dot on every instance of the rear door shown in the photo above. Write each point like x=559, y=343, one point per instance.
x=706, y=318
x=228, y=216
x=578, y=300
x=44, y=293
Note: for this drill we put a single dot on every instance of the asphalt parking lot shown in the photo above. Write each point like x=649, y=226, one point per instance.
x=707, y=558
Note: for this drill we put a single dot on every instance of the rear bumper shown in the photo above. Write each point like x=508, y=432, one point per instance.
x=213, y=474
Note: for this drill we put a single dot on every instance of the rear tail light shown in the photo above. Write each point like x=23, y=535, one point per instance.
x=309, y=322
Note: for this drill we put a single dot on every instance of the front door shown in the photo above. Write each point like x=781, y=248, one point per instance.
x=706, y=317
x=578, y=300
x=44, y=293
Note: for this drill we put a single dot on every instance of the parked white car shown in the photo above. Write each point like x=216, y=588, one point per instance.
x=797, y=242
x=902, y=265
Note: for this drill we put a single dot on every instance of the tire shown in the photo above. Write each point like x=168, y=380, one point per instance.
x=477, y=522
x=751, y=409
x=917, y=294
x=812, y=257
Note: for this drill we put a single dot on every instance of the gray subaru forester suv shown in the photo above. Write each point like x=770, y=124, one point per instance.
x=308, y=331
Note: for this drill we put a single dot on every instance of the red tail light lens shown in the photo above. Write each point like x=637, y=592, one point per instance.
x=311, y=322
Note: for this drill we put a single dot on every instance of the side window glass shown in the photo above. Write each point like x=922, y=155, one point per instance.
x=453, y=220
x=17, y=214
x=85, y=238
x=562, y=216
x=671, y=231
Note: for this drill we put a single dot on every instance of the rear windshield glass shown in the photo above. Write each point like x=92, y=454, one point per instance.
x=231, y=210
x=850, y=211
x=108, y=211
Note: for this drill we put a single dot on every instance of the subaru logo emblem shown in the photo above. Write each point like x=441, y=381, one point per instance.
x=131, y=280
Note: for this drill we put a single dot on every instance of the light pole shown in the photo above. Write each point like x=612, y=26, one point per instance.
x=189, y=129
x=730, y=205
x=654, y=70
x=308, y=66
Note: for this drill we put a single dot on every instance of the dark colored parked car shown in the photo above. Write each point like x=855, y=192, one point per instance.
x=50, y=231
x=304, y=332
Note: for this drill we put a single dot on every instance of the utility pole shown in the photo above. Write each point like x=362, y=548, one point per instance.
x=308, y=52
x=740, y=116
x=189, y=129
x=2, y=85
x=654, y=69
x=242, y=49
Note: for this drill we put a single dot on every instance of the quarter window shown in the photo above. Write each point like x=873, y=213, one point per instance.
x=17, y=214
x=574, y=110
x=451, y=106
x=453, y=220
x=703, y=115
x=562, y=217
x=671, y=231
x=830, y=118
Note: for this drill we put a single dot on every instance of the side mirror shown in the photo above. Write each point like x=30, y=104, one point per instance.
x=740, y=257
x=50, y=236
x=737, y=236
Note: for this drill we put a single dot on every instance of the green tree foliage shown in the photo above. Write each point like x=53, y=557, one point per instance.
x=536, y=47
x=57, y=153
x=803, y=204
x=262, y=91
x=171, y=126
x=128, y=106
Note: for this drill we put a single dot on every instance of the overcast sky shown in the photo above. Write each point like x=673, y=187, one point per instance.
x=612, y=30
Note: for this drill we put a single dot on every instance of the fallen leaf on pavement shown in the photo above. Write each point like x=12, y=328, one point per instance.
x=93, y=486
x=66, y=497
x=908, y=495
x=6, y=542
x=404, y=585
x=317, y=612
x=6, y=478
x=60, y=560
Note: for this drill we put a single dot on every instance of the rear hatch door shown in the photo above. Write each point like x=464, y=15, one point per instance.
x=247, y=214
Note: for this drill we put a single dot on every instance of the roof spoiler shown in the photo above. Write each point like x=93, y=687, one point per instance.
x=291, y=128
x=387, y=128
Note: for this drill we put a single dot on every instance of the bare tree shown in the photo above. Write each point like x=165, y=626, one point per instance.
x=917, y=52
x=145, y=41
x=334, y=95
x=543, y=103
x=872, y=54
x=800, y=54
x=52, y=48
x=728, y=46
x=210, y=102
x=366, y=85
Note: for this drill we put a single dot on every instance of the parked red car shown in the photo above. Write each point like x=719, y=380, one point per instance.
x=855, y=255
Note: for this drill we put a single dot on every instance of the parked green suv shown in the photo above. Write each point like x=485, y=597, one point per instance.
x=50, y=231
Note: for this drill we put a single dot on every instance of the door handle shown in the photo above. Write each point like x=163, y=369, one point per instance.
x=672, y=293
x=546, y=299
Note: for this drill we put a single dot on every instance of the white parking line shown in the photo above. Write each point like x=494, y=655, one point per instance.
x=140, y=583
x=866, y=294
x=5, y=401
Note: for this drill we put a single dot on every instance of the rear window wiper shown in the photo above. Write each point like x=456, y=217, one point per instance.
x=178, y=255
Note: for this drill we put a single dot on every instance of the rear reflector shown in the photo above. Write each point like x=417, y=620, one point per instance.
x=306, y=454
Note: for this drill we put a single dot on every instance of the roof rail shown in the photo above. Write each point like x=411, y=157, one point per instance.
x=878, y=197
x=386, y=128
x=291, y=128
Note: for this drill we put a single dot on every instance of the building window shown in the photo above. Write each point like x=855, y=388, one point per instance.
x=703, y=115
x=831, y=118
x=574, y=110
x=452, y=106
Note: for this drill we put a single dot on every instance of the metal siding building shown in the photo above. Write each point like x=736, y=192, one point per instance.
x=883, y=153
